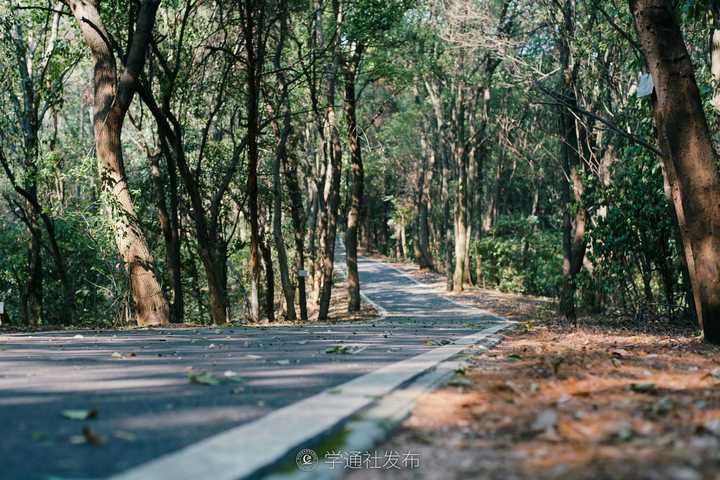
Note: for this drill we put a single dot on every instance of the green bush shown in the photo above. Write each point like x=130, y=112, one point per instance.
x=518, y=256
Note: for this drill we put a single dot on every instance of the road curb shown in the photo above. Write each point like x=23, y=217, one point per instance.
x=370, y=427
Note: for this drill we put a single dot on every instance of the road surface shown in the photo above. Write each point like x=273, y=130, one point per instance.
x=138, y=382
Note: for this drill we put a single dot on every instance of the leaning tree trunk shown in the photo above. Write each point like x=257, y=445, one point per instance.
x=689, y=159
x=113, y=96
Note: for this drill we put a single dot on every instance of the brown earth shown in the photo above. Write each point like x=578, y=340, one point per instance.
x=607, y=399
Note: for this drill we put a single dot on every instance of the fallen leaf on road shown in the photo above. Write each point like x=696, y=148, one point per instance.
x=80, y=414
x=618, y=353
x=643, y=387
x=346, y=349
x=714, y=373
x=283, y=362
x=123, y=435
x=91, y=437
x=203, y=378
x=116, y=355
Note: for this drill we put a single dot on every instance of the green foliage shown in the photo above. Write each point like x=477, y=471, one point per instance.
x=518, y=256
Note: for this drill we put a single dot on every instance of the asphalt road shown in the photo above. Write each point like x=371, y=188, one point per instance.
x=138, y=382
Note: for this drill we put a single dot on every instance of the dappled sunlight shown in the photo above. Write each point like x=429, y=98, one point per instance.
x=189, y=417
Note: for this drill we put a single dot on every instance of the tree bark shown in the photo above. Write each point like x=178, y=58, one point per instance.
x=689, y=158
x=169, y=226
x=422, y=199
x=460, y=214
x=281, y=154
x=112, y=97
x=357, y=177
x=253, y=49
x=572, y=188
x=331, y=194
x=266, y=251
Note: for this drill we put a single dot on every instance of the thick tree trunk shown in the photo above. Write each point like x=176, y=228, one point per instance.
x=715, y=58
x=112, y=100
x=357, y=181
x=689, y=158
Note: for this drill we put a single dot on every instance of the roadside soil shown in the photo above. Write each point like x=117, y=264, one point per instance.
x=608, y=399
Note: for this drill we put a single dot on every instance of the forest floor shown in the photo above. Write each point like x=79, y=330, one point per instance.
x=604, y=400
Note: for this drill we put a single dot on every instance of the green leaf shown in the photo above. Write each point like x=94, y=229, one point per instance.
x=80, y=414
x=643, y=387
x=203, y=378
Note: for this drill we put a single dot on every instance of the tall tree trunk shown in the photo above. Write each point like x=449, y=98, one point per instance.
x=460, y=215
x=572, y=188
x=715, y=58
x=287, y=286
x=357, y=177
x=296, y=212
x=113, y=96
x=332, y=176
x=689, y=158
x=422, y=246
x=447, y=224
x=254, y=61
x=169, y=227
x=34, y=287
x=281, y=155
x=269, y=280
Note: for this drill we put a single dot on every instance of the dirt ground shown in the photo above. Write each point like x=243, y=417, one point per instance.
x=338, y=306
x=605, y=400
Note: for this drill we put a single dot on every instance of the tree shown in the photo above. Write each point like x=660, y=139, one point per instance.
x=688, y=155
x=113, y=93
